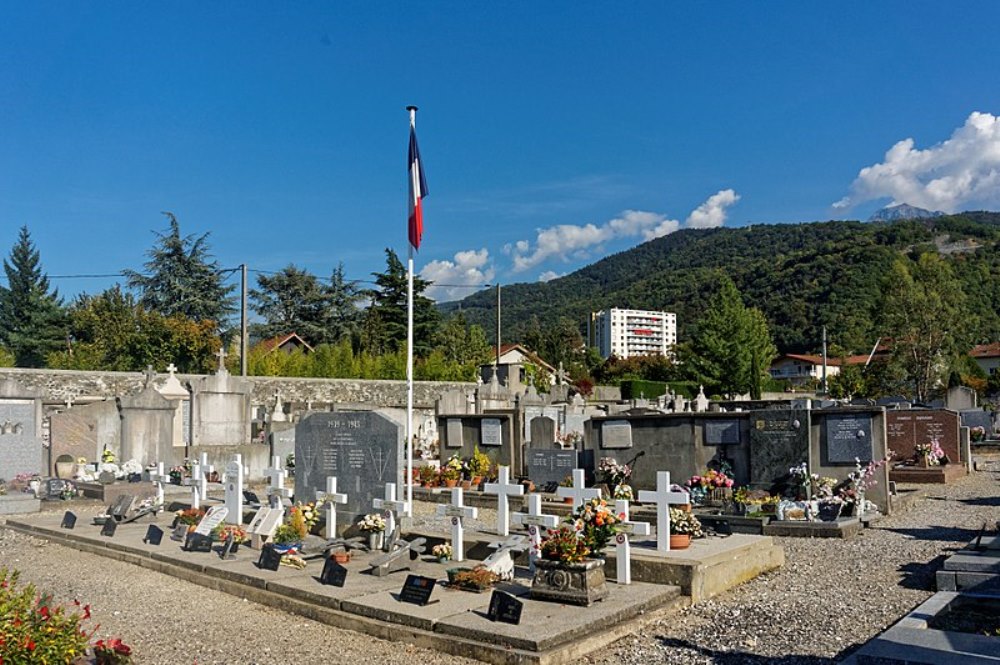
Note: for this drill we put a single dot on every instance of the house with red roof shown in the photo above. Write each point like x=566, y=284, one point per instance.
x=987, y=356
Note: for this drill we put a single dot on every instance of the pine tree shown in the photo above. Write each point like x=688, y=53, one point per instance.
x=344, y=314
x=32, y=321
x=292, y=300
x=389, y=302
x=182, y=278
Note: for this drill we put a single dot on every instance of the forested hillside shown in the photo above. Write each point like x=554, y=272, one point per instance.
x=803, y=276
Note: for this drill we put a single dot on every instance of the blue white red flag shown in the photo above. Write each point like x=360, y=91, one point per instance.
x=418, y=190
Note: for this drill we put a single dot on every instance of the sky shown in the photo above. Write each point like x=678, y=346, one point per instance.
x=552, y=134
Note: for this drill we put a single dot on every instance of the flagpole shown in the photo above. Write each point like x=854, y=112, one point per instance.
x=409, y=356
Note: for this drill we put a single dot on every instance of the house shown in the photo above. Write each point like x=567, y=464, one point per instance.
x=798, y=368
x=286, y=343
x=510, y=370
x=515, y=353
x=987, y=356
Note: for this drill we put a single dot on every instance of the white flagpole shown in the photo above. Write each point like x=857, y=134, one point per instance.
x=409, y=356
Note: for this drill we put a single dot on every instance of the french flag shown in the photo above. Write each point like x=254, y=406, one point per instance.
x=418, y=190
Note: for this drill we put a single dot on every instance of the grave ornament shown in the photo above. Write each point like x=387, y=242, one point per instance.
x=663, y=497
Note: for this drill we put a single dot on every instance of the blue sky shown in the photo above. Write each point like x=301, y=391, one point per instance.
x=553, y=133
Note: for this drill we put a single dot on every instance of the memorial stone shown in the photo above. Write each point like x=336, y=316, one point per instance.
x=543, y=432
x=363, y=449
x=847, y=437
x=20, y=440
x=722, y=432
x=453, y=433
x=977, y=418
x=616, y=434
x=779, y=440
x=906, y=429
x=491, y=432
x=549, y=466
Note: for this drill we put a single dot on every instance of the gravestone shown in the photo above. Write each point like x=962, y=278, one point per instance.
x=616, y=434
x=977, y=418
x=282, y=440
x=549, y=465
x=453, y=433
x=847, y=437
x=212, y=519
x=147, y=428
x=721, y=432
x=779, y=440
x=20, y=430
x=220, y=409
x=490, y=432
x=363, y=449
x=906, y=429
x=960, y=398
x=85, y=430
x=543, y=432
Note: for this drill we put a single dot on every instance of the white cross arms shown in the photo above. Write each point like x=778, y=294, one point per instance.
x=234, y=474
x=391, y=506
x=502, y=489
x=199, y=485
x=276, y=480
x=578, y=492
x=331, y=497
x=158, y=477
x=535, y=521
x=457, y=511
x=623, y=547
x=663, y=498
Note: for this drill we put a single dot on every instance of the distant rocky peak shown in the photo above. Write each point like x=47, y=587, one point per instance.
x=903, y=211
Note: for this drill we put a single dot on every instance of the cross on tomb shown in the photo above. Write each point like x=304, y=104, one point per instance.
x=222, y=359
x=578, y=492
x=561, y=375
x=623, y=547
x=502, y=489
x=332, y=498
x=276, y=481
x=234, y=474
x=150, y=374
x=501, y=562
x=157, y=476
x=457, y=511
x=172, y=369
x=391, y=506
x=663, y=497
x=535, y=520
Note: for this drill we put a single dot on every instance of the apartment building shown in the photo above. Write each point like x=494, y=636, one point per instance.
x=632, y=332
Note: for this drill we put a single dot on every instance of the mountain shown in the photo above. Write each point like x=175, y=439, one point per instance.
x=903, y=211
x=801, y=276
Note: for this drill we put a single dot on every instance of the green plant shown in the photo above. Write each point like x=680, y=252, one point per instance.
x=285, y=534
x=450, y=473
x=190, y=516
x=564, y=544
x=479, y=465
x=428, y=474
x=596, y=524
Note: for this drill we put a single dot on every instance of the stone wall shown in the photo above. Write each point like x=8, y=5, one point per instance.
x=62, y=385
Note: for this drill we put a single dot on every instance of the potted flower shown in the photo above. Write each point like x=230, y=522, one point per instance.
x=596, y=524
x=374, y=526
x=929, y=454
x=442, y=552
x=710, y=488
x=341, y=555
x=224, y=532
x=428, y=476
x=829, y=508
x=564, y=574
x=683, y=527
x=310, y=515
x=616, y=476
x=189, y=516
x=479, y=466
x=176, y=473
x=567, y=482
x=451, y=472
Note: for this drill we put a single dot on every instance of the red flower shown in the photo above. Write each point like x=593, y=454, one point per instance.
x=86, y=611
x=44, y=611
x=29, y=644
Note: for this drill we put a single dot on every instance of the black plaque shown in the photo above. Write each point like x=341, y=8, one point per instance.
x=54, y=488
x=251, y=497
x=333, y=574
x=417, y=589
x=269, y=559
x=197, y=542
x=154, y=535
x=549, y=465
x=68, y=520
x=229, y=547
x=505, y=608
x=108, y=528
x=722, y=432
x=179, y=532
x=848, y=437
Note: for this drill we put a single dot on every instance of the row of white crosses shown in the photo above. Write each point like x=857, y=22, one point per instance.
x=199, y=480
x=276, y=490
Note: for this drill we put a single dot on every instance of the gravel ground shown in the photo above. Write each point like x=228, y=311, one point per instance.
x=830, y=597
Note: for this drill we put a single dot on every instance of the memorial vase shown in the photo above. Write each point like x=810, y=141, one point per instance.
x=375, y=540
x=579, y=583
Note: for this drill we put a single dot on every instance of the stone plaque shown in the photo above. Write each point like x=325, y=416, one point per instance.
x=212, y=519
x=616, y=434
x=543, y=432
x=722, y=432
x=453, y=433
x=779, y=440
x=977, y=418
x=490, y=432
x=530, y=413
x=363, y=449
x=848, y=437
x=905, y=429
x=20, y=448
x=549, y=465
x=283, y=443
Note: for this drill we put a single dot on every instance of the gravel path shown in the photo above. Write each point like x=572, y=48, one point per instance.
x=829, y=598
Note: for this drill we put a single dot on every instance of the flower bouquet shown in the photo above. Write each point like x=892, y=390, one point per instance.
x=710, y=488
x=442, y=552
x=616, y=476
x=596, y=523
x=564, y=544
x=930, y=453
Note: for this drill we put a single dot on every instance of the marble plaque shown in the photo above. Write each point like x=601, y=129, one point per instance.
x=722, y=432
x=779, y=440
x=616, y=434
x=453, y=433
x=549, y=465
x=490, y=432
x=848, y=437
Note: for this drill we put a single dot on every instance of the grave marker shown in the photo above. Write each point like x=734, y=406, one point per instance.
x=549, y=466
x=234, y=489
x=199, y=480
x=390, y=506
x=158, y=478
x=197, y=542
x=417, y=589
x=453, y=433
x=848, y=437
x=491, y=432
x=229, y=548
x=504, y=608
x=578, y=492
x=269, y=558
x=722, y=432
x=535, y=521
x=68, y=520
x=616, y=434
x=502, y=489
x=108, y=528
x=179, y=533
x=276, y=490
x=663, y=497
x=212, y=519
x=457, y=511
x=623, y=546
x=331, y=497
x=154, y=535
x=333, y=573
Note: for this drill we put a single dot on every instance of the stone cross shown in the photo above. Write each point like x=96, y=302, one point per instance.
x=561, y=375
x=150, y=375
x=623, y=548
x=578, y=492
x=535, y=520
x=234, y=474
x=158, y=476
x=457, y=511
x=172, y=369
x=663, y=498
x=199, y=480
x=276, y=481
x=502, y=489
x=332, y=498
x=222, y=359
x=391, y=506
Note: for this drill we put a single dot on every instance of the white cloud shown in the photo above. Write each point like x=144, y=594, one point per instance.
x=961, y=172
x=567, y=241
x=549, y=275
x=453, y=279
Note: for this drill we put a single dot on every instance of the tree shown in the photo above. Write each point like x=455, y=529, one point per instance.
x=292, y=300
x=389, y=303
x=344, y=296
x=32, y=321
x=182, y=278
x=461, y=343
x=732, y=348
x=922, y=317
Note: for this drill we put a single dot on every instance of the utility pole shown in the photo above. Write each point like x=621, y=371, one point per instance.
x=243, y=319
x=824, y=360
x=498, y=325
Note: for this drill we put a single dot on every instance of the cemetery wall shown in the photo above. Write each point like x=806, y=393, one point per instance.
x=63, y=385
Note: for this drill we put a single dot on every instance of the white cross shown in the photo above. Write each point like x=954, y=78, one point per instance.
x=332, y=498
x=578, y=492
x=534, y=519
x=157, y=476
x=199, y=485
x=391, y=507
x=503, y=488
x=663, y=498
x=276, y=480
x=457, y=511
x=172, y=368
x=623, y=548
x=222, y=358
x=234, y=489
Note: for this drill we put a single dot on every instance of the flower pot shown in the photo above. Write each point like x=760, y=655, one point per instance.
x=579, y=583
x=443, y=559
x=342, y=557
x=925, y=462
x=568, y=500
x=466, y=484
x=454, y=571
x=477, y=481
x=285, y=548
x=680, y=541
x=450, y=483
x=65, y=469
x=375, y=540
